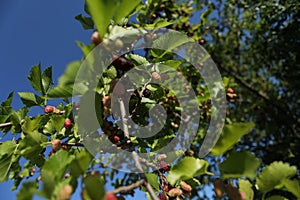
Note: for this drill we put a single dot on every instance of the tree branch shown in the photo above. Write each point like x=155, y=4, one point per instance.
x=77, y=144
x=126, y=189
x=280, y=106
x=5, y=124
x=134, y=154
x=246, y=85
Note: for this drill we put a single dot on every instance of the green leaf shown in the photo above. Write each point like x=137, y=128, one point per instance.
x=168, y=42
x=64, y=88
x=27, y=191
x=80, y=163
x=239, y=164
x=124, y=9
x=110, y=73
x=54, y=169
x=159, y=24
x=5, y=108
x=7, y=150
x=61, y=91
x=102, y=12
x=204, y=16
x=47, y=78
x=86, y=22
x=293, y=186
x=35, y=78
x=32, y=145
x=230, y=136
x=57, y=121
x=16, y=118
x=30, y=99
x=153, y=180
x=31, y=125
x=137, y=59
x=187, y=169
x=86, y=49
x=246, y=187
x=193, y=182
x=273, y=174
x=94, y=185
x=7, y=147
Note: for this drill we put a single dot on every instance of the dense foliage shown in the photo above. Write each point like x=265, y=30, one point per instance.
x=255, y=46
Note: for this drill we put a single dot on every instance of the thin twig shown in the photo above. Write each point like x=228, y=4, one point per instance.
x=280, y=106
x=77, y=144
x=64, y=143
x=5, y=124
x=126, y=189
x=134, y=154
x=124, y=118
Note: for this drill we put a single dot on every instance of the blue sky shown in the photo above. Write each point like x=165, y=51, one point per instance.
x=32, y=32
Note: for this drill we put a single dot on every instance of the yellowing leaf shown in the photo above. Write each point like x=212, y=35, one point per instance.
x=273, y=174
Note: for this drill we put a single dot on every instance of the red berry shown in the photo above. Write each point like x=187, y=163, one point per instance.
x=51, y=152
x=230, y=90
x=64, y=147
x=68, y=123
x=110, y=196
x=162, y=196
x=164, y=165
x=49, y=109
x=166, y=188
x=116, y=138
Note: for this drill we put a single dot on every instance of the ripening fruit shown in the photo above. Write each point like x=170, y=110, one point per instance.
x=49, y=109
x=219, y=188
x=56, y=144
x=166, y=187
x=67, y=175
x=116, y=138
x=161, y=157
x=110, y=196
x=164, y=165
x=68, y=123
x=162, y=196
x=65, y=193
x=175, y=192
x=106, y=101
x=119, y=43
x=121, y=63
x=235, y=193
x=230, y=90
x=202, y=41
x=51, y=153
x=156, y=76
x=185, y=186
x=230, y=95
x=96, y=38
x=147, y=93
